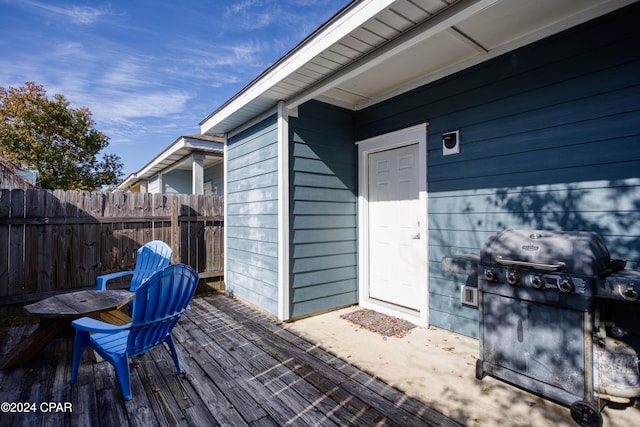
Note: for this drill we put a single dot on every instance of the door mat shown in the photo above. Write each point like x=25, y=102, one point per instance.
x=381, y=323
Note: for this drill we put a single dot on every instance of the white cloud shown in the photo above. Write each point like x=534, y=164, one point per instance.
x=253, y=14
x=243, y=6
x=121, y=104
x=127, y=72
x=76, y=14
x=72, y=49
x=127, y=132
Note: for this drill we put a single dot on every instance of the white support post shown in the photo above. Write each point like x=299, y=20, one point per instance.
x=197, y=174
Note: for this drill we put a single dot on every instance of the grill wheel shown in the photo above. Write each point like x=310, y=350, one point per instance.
x=586, y=414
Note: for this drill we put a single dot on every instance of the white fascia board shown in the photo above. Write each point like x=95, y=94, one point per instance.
x=444, y=20
x=350, y=20
x=198, y=144
x=128, y=182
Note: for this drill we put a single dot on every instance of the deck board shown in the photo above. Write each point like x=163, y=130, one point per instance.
x=242, y=369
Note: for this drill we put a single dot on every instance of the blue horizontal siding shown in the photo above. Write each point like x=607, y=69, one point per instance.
x=322, y=262
x=253, y=181
x=252, y=215
x=177, y=181
x=317, y=249
x=305, y=207
x=323, y=235
x=215, y=175
x=308, y=193
x=317, y=278
x=549, y=140
x=323, y=255
x=253, y=208
x=309, y=180
x=464, y=223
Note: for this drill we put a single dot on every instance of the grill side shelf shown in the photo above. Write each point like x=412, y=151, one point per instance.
x=461, y=264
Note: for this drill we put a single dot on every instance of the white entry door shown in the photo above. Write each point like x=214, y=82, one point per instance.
x=396, y=254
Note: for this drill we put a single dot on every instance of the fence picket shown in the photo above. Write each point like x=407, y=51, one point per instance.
x=36, y=266
x=15, y=284
x=5, y=233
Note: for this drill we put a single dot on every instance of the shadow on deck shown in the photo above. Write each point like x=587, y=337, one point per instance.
x=242, y=369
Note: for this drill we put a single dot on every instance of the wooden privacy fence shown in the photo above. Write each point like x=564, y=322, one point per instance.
x=52, y=241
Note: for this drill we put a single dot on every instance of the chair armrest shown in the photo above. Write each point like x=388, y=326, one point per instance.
x=92, y=325
x=102, y=280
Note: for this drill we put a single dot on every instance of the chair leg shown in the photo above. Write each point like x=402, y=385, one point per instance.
x=80, y=343
x=174, y=353
x=121, y=365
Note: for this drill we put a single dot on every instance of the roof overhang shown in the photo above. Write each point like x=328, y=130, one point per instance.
x=177, y=156
x=373, y=50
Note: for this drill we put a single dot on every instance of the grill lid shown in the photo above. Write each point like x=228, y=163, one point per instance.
x=577, y=252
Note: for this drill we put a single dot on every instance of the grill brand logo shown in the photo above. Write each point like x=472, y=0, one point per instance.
x=530, y=247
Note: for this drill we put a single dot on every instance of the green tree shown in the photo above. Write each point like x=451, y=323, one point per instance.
x=59, y=142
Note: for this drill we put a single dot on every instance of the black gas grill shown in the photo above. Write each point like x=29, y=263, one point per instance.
x=557, y=317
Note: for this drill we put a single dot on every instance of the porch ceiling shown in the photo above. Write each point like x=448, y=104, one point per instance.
x=374, y=50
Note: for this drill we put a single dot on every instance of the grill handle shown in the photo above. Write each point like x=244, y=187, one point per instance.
x=537, y=265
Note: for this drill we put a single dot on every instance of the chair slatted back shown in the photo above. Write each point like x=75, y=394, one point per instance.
x=158, y=305
x=151, y=257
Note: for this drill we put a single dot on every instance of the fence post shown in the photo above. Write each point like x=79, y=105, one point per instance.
x=175, y=230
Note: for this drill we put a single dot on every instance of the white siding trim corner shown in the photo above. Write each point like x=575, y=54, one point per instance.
x=283, y=212
x=225, y=181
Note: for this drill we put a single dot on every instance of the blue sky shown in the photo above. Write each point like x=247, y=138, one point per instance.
x=149, y=70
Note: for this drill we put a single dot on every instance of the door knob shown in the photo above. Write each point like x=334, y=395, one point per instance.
x=416, y=236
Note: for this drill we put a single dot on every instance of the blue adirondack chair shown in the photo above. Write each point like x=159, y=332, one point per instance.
x=151, y=257
x=159, y=303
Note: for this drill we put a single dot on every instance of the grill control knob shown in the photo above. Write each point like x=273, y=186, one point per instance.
x=630, y=294
x=537, y=282
x=565, y=286
x=512, y=278
x=618, y=332
x=489, y=275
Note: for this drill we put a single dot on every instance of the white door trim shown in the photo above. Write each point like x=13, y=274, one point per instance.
x=412, y=135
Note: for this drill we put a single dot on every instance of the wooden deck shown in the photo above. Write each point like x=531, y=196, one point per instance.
x=242, y=369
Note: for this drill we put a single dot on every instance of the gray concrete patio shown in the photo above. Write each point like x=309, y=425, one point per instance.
x=437, y=367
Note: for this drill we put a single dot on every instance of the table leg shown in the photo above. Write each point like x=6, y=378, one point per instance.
x=35, y=342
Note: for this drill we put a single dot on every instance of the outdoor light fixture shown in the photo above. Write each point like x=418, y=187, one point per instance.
x=451, y=143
